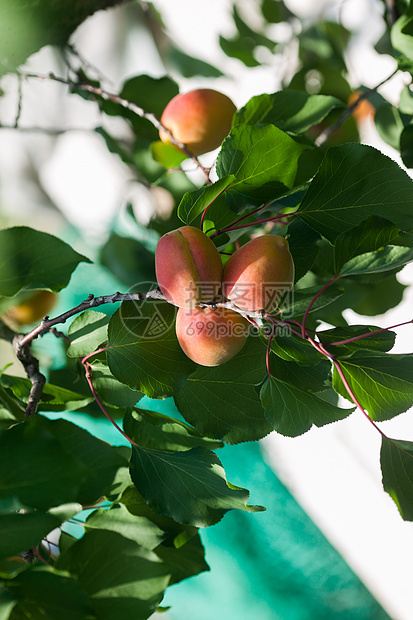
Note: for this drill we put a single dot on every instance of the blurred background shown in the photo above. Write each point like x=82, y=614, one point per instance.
x=326, y=509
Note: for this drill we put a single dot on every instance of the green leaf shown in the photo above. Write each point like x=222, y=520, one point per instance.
x=54, y=398
x=188, y=66
x=303, y=245
x=87, y=332
x=130, y=261
x=121, y=578
x=58, y=462
x=396, y=458
x=263, y=160
x=292, y=111
x=389, y=124
x=177, y=533
x=188, y=486
x=222, y=402
x=402, y=41
x=110, y=390
x=150, y=94
x=406, y=146
x=45, y=473
x=243, y=45
x=387, y=258
x=186, y=560
x=167, y=155
x=292, y=348
x=41, y=593
x=30, y=259
x=406, y=100
x=101, y=459
x=195, y=202
x=353, y=182
x=19, y=532
x=160, y=432
x=118, y=519
x=296, y=304
x=308, y=378
x=292, y=411
x=372, y=234
x=382, y=384
x=144, y=352
x=382, y=341
x=240, y=48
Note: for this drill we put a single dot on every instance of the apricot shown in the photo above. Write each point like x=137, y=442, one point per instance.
x=33, y=308
x=200, y=119
x=211, y=336
x=258, y=273
x=363, y=110
x=188, y=267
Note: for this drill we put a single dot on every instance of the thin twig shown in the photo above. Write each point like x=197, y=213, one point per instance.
x=125, y=103
x=323, y=137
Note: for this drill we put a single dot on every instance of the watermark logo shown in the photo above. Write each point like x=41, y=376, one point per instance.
x=147, y=318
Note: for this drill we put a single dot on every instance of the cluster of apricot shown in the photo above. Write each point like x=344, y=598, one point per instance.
x=190, y=272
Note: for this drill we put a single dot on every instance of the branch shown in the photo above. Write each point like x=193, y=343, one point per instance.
x=31, y=367
x=90, y=302
x=128, y=105
x=22, y=342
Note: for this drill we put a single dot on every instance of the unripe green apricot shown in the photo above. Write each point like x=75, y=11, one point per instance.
x=188, y=267
x=211, y=336
x=200, y=119
x=257, y=274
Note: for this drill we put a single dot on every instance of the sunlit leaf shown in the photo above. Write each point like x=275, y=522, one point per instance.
x=167, y=155
x=290, y=110
x=263, y=160
x=87, y=332
x=387, y=258
x=383, y=384
x=193, y=203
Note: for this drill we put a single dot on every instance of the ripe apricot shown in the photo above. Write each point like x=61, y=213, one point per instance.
x=257, y=274
x=211, y=336
x=33, y=309
x=188, y=267
x=363, y=110
x=200, y=119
